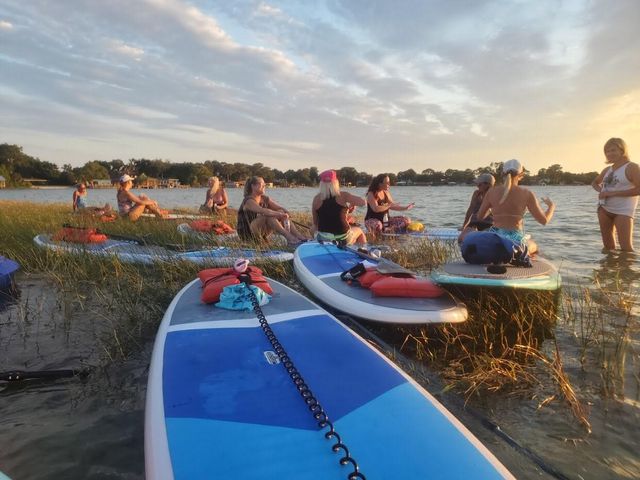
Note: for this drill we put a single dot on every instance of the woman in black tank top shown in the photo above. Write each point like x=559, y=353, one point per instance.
x=379, y=203
x=329, y=210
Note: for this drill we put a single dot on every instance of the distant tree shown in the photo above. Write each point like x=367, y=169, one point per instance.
x=93, y=170
x=348, y=175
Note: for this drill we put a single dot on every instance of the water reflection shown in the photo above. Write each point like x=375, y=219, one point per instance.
x=618, y=279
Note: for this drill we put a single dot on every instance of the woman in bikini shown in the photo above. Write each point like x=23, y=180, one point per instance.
x=379, y=203
x=132, y=206
x=216, y=201
x=330, y=209
x=619, y=187
x=259, y=216
x=509, y=202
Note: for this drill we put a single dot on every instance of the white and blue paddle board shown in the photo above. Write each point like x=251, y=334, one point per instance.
x=186, y=230
x=542, y=276
x=220, y=405
x=318, y=267
x=130, y=252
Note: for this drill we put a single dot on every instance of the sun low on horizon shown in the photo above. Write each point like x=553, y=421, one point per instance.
x=370, y=85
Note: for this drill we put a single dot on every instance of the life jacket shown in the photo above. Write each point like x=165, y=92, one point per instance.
x=215, y=279
x=217, y=227
x=79, y=235
x=484, y=248
x=392, y=285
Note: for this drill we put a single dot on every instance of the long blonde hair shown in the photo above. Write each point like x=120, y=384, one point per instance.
x=507, y=185
x=329, y=189
x=214, y=182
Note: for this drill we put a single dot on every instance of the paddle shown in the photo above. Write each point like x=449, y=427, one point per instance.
x=300, y=224
x=19, y=375
x=384, y=265
x=145, y=241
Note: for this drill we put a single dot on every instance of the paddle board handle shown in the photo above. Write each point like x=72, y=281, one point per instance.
x=316, y=409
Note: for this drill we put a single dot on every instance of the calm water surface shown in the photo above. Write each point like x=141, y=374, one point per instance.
x=94, y=429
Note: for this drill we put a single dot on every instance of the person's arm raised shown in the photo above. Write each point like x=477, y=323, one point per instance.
x=534, y=207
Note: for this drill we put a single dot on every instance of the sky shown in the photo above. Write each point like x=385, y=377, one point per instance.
x=381, y=86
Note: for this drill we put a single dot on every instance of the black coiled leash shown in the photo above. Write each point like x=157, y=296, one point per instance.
x=314, y=406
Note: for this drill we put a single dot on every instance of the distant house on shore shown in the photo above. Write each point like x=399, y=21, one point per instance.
x=149, y=182
x=169, y=183
x=101, y=183
x=3, y=182
x=34, y=182
x=232, y=184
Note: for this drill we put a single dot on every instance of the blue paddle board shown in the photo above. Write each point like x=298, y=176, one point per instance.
x=7, y=269
x=318, y=267
x=220, y=405
x=542, y=276
x=130, y=252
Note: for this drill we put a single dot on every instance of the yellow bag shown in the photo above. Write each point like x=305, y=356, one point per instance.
x=415, y=227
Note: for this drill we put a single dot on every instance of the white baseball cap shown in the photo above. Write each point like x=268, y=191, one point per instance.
x=512, y=165
x=126, y=178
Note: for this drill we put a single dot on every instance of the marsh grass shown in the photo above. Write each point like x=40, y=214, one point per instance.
x=504, y=347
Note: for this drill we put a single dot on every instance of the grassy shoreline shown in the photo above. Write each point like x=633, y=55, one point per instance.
x=506, y=347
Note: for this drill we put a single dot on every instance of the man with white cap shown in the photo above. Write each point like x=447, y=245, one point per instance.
x=509, y=202
x=484, y=181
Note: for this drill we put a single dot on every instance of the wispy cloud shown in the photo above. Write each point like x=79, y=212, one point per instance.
x=291, y=84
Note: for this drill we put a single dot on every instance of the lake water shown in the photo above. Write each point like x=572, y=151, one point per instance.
x=99, y=423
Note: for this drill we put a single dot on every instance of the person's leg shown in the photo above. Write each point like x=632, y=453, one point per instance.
x=135, y=212
x=532, y=247
x=374, y=227
x=263, y=226
x=154, y=209
x=607, y=226
x=356, y=235
x=624, y=229
x=297, y=233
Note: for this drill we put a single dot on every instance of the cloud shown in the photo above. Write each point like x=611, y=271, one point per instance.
x=293, y=84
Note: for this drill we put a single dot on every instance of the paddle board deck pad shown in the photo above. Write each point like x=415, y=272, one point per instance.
x=7, y=269
x=186, y=230
x=443, y=234
x=318, y=267
x=128, y=251
x=221, y=405
x=542, y=276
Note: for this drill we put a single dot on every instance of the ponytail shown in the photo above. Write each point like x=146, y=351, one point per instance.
x=507, y=186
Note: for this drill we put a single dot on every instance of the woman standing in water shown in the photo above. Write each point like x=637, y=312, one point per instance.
x=619, y=187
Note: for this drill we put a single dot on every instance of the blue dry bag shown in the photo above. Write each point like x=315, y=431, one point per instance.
x=483, y=248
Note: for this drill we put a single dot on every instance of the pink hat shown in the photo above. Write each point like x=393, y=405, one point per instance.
x=328, y=176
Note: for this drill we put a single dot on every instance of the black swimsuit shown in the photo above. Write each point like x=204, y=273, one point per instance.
x=245, y=217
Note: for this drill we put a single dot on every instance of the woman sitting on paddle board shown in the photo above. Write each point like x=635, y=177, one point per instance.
x=619, y=187
x=132, y=206
x=216, y=201
x=80, y=204
x=509, y=202
x=259, y=216
x=471, y=223
x=330, y=208
x=379, y=202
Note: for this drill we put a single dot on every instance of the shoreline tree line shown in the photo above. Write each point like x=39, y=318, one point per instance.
x=18, y=167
